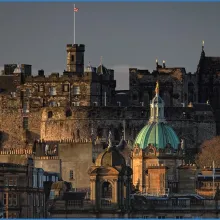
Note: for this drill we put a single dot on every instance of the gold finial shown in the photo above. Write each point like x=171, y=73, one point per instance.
x=203, y=43
x=163, y=61
x=157, y=88
x=156, y=61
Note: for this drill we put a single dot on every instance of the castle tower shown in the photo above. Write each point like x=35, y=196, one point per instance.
x=75, y=58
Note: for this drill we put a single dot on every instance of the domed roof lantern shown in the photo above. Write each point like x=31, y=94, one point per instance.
x=157, y=132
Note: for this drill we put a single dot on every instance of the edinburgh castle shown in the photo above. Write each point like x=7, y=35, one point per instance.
x=64, y=120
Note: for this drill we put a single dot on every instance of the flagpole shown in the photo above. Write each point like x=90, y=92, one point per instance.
x=74, y=26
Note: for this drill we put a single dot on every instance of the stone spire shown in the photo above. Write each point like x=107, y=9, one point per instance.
x=203, y=51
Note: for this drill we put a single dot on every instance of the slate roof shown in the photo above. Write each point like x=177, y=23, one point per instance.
x=209, y=63
x=101, y=69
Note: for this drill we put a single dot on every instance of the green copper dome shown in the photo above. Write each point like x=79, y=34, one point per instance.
x=157, y=134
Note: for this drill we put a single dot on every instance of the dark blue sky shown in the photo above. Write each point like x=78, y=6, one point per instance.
x=125, y=34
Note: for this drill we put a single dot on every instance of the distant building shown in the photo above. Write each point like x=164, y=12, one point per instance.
x=23, y=190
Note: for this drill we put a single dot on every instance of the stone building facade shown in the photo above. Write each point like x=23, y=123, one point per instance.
x=24, y=187
x=112, y=197
x=21, y=194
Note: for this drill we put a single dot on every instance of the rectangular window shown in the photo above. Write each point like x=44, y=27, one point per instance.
x=6, y=181
x=34, y=201
x=25, y=123
x=25, y=107
x=40, y=88
x=74, y=203
x=12, y=181
x=106, y=202
x=39, y=181
x=53, y=104
x=5, y=199
x=53, y=91
x=53, y=178
x=76, y=104
x=76, y=90
x=28, y=93
x=37, y=200
x=34, y=180
x=12, y=215
x=72, y=58
x=66, y=88
x=71, y=174
x=52, y=194
x=12, y=199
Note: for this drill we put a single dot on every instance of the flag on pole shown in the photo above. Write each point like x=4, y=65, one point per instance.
x=76, y=9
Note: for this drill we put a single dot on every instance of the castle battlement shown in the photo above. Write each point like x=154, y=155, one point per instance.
x=19, y=151
x=78, y=47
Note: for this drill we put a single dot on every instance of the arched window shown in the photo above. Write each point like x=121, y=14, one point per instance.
x=166, y=98
x=135, y=96
x=106, y=190
x=146, y=98
x=78, y=133
x=50, y=114
x=68, y=113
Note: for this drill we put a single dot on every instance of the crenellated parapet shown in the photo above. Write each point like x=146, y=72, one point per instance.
x=14, y=151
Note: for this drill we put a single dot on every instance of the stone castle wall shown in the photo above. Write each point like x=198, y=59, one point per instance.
x=11, y=123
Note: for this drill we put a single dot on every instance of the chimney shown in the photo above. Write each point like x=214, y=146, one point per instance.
x=41, y=72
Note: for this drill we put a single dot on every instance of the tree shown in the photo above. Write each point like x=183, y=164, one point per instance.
x=209, y=152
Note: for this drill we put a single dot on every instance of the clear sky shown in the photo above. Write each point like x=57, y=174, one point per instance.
x=125, y=34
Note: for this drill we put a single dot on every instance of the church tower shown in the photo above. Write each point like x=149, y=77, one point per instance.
x=75, y=58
